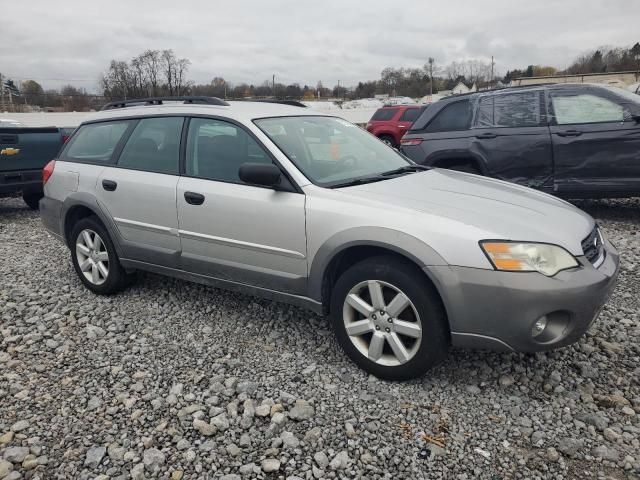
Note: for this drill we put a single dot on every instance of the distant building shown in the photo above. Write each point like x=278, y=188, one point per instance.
x=618, y=79
x=381, y=96
x=462, y=88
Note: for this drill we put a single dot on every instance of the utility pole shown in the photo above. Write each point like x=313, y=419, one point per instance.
x=492, y=64
x=273, y=85
x=431, y=60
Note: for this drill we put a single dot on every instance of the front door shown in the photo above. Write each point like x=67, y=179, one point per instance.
x=596, y=143
x=234, y=231
x=139, y=192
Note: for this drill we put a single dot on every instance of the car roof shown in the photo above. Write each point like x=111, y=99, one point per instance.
x=242, y=111
x=522, y=88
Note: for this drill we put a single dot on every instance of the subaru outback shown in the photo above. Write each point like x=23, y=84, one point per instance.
x=307, y=208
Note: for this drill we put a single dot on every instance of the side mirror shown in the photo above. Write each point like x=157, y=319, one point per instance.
x=266, y=175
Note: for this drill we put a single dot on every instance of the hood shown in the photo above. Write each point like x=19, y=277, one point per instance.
x=504, y=211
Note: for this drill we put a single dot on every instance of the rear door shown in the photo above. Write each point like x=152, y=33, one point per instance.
x=407, y=118
x=139, y=191
x=596, y=143
x=510, y=132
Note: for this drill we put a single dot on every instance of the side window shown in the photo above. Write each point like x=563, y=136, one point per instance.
x=154, y=146
x=410, y=115
x=510, y=110
x=455, y=116
x=216, y=149
x=95, y=142
x=384, y=114
x=585, y=108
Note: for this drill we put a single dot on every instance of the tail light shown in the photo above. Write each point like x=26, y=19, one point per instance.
x=47, y=171
x=410, y=142
x=65, y=138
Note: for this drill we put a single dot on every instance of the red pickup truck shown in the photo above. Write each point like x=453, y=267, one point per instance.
x=390, y=123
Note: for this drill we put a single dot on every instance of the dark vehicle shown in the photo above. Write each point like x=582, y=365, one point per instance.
x=571, y=140
x=23, y=154
x=389, y=124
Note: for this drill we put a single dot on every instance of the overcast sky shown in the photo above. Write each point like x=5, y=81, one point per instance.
x=72, y=41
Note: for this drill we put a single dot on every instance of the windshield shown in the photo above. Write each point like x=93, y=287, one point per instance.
x=331, y=151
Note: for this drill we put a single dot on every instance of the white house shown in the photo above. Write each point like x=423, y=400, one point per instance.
x=462, y=88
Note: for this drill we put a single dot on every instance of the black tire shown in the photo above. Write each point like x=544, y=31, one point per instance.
x=388, y=139
x=117, y=277
x=32, y=200
x=411, y=281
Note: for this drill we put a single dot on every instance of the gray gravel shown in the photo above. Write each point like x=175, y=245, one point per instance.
x=176, y=380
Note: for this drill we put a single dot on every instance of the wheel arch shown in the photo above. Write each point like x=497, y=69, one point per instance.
x=351, y=246
x=447, y=159
x=82, y=205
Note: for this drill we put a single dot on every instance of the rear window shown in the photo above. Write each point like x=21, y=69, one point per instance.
x=410, y=114
x=455, y=116
x=384, y=114
x=95, y=142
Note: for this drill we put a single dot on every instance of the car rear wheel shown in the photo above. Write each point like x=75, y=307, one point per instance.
x=95, y=259
x=388, y=139
x=388, y=319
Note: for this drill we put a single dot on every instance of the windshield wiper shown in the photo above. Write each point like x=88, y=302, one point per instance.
x=406, y=169
x=359, y=181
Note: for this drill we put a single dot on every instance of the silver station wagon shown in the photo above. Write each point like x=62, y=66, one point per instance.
x=306, y=208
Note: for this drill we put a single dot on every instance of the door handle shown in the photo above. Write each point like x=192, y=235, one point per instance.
x=194, y=198
x=109, y=185
x=570, y=133
x=486, y=135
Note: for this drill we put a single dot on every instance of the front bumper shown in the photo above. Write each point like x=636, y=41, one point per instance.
x=497, y=310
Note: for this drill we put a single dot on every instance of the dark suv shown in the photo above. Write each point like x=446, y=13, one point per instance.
x=572, y=140
x=389, y=124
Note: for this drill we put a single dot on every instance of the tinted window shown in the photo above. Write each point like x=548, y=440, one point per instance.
x=513, y=110
x=384, y=114
x=217, y=149
x=154, y=146
x=95, y=142
x=410, y=115
x=455, y=116
x=585, y=108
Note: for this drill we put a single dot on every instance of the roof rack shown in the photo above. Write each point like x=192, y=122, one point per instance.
x=293, y=103
x=137, y=102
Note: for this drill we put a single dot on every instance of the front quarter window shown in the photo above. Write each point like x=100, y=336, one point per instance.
x=330, y=151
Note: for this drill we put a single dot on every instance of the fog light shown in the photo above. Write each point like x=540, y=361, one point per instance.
x=539, y=326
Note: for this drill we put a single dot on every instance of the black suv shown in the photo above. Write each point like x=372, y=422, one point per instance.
x=572, y=140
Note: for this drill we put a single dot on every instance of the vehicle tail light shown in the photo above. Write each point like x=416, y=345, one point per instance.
x=65, y=138
x=47, y=171
x=409, y=142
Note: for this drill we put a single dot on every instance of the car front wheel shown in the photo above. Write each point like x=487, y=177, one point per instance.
x=389, y=319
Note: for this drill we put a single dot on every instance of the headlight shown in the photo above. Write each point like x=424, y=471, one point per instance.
x=528, y=257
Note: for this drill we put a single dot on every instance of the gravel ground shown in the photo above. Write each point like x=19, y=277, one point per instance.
x=176, y=380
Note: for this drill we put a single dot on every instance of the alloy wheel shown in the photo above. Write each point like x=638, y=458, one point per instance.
x=382, y=323
x=92, y=257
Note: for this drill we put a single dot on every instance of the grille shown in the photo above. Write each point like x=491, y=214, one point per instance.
x=592, y=245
